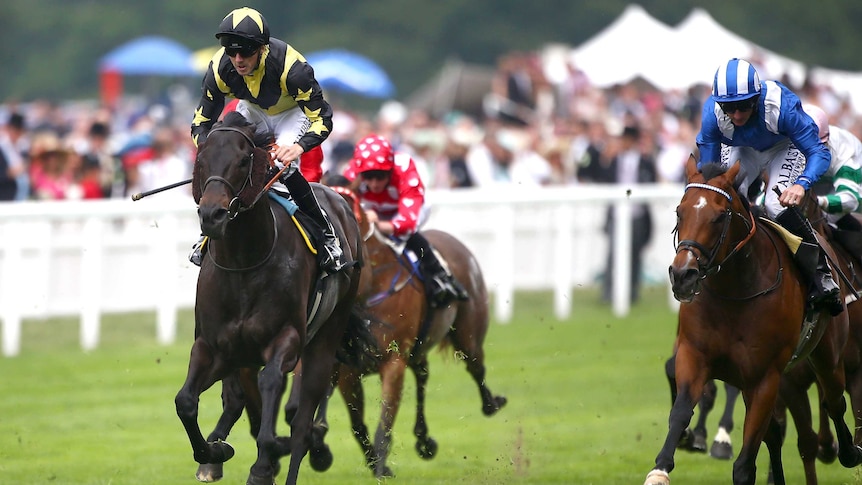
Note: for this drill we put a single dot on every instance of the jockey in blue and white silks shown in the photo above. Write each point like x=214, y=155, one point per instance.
x=777, y=136
x=763, y=126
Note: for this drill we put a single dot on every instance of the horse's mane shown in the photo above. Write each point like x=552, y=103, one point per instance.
x=260, y=155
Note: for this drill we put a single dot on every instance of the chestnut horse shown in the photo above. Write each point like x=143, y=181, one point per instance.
x=261, y=300
x=743, y=304
x=407, y=328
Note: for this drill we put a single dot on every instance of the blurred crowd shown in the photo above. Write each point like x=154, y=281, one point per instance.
x=531, y=132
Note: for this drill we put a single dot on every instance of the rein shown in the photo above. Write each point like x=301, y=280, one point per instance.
x=235, y=207
x=211, y=251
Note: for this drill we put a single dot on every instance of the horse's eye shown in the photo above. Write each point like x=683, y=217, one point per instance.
x=720, y=218
x=245, y=161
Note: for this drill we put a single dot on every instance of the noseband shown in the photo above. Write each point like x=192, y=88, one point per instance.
x=708, y=267
x=235, y=206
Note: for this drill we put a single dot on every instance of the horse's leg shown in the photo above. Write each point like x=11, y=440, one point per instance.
x=284, y=353
x=794, y=398
x=350, y=385
x=854, y=389
x=831, y=379
x=827, y=447
x=319, y=454
x=392, y=377
x=204, y=370
x=690, y=378
x=774, y=439
x=697, y=435
x=233, y=402
x=721, y=446
x=759, y=405
x=426, y=447
x=687, y=440
x=468, y=346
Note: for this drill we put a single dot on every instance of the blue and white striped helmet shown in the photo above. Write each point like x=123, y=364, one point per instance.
x=735, y=81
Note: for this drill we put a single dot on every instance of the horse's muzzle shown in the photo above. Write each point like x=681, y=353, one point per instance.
x=213, y=220
x=685, y=277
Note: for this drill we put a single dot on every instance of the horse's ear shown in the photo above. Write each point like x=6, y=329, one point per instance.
x=691, y=168
x=734, y=175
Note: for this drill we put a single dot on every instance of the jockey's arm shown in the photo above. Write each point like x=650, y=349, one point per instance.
x=385, y=227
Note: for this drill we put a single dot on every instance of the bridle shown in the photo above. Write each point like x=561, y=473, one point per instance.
x=699, y=251
x=235, y=207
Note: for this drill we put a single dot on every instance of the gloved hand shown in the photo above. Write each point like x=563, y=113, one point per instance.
x=272, y=171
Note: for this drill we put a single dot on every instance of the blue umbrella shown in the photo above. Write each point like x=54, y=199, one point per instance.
x=351, y=73
x=150, y=55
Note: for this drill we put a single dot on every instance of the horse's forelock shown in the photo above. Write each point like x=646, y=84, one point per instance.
x=712, y=170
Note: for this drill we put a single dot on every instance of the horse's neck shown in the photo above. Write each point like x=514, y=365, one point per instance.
x=250, y=235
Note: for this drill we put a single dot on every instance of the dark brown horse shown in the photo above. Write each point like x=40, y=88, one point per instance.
x=796, y=382
x=743, y=304
x=261, y=300
x=407, y=328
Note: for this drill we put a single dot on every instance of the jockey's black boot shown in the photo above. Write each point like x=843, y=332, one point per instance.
x=307, y=202
x=442, y=285
x=811, y=259
x=198, y=250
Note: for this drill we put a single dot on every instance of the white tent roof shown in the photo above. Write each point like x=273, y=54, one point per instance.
x=707, y=44
x=624, y=49
x=637, y=44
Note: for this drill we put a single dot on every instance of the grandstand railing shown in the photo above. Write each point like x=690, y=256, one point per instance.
x=89, y=258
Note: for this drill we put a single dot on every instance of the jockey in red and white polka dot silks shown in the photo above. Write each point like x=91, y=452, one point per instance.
x=403, y=199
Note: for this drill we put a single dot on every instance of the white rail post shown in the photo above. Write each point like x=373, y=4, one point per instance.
x=91, y=282
x=10, y=310
x=504, y=266
x=166, y=306
x=562, y=259
x=622, y=256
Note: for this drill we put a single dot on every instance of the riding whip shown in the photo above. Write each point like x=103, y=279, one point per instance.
x=141, y=195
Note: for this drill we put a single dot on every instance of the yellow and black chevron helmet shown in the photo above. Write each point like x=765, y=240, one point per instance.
x=247, y=23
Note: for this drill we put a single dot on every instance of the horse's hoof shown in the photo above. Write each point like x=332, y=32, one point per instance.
x=260, y=479
x=220, y=451
x=686, y=441
x=827, y=454
x=657, y=477
x=699, y=444
x=383, y=471
x=721, y=450
x=210, y=472
x=426, y=448
x=496, y=404
x=320, y=458
x=852, y=458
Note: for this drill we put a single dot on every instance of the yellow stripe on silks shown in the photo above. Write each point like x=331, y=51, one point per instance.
x=792, y=240
x=304, y=236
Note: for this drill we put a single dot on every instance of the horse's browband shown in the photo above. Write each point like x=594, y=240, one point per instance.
x=710, y=187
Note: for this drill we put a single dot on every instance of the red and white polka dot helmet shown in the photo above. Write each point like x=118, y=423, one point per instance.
x=373, y=153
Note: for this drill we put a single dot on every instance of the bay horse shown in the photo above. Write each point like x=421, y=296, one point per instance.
x=821, y=444
x=407, y=328
x=742, y=308
x=261, y=299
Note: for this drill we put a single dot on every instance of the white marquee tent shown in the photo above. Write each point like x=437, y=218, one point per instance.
x=637, y=45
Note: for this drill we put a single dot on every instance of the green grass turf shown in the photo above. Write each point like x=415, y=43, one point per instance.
x=588, y=404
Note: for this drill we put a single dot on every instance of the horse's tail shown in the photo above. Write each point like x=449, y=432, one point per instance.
x=359, y=348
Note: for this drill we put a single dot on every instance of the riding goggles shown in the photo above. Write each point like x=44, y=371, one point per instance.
x=733, y=106
x=243, y=51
